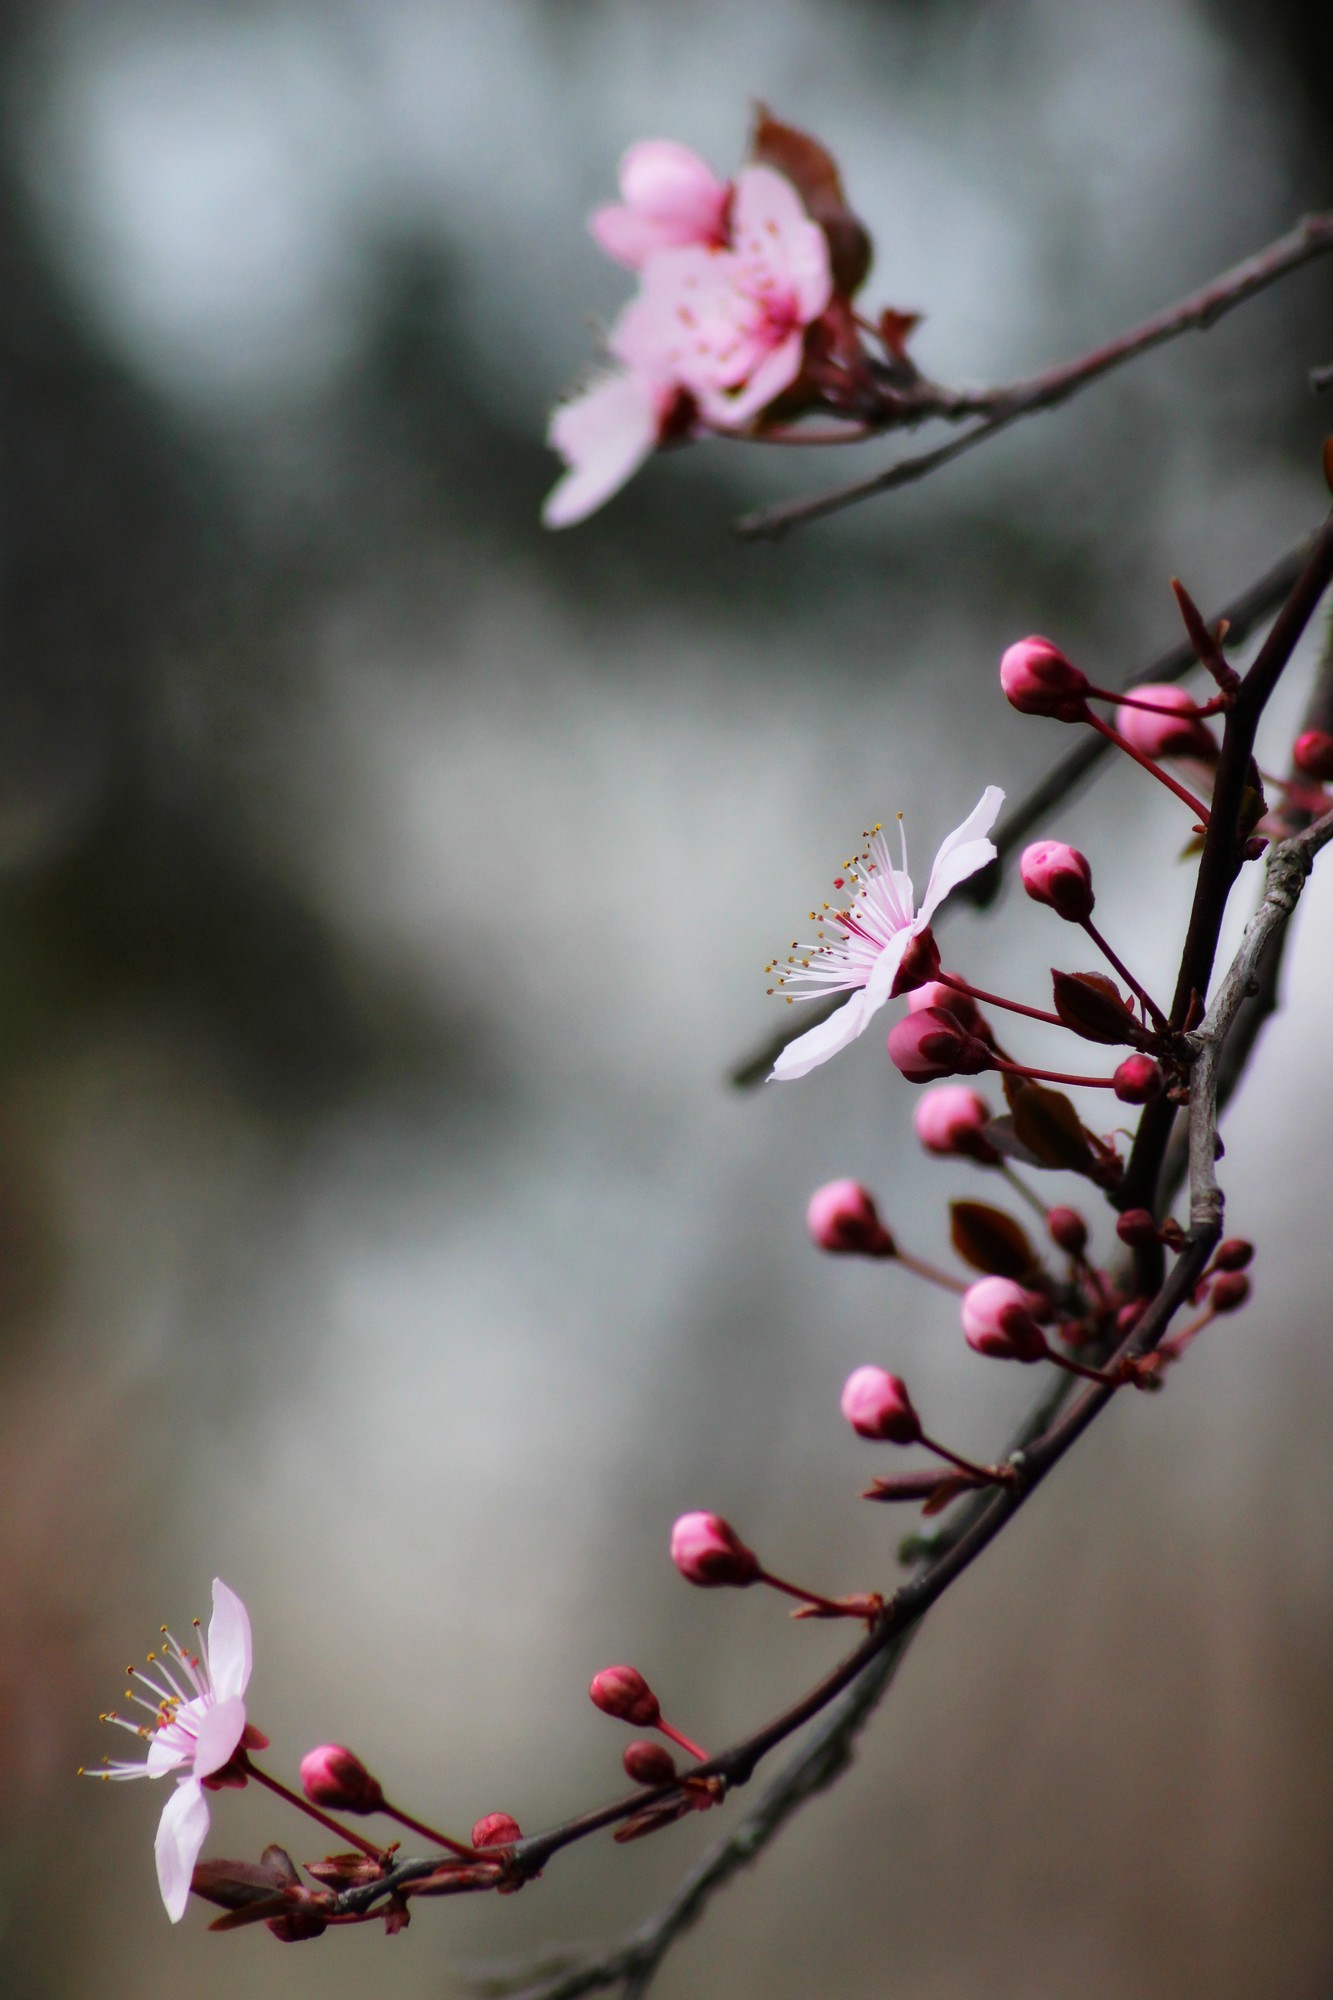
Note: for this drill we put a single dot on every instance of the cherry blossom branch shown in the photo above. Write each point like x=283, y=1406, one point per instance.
x=1003, y=406
x=1242, y=616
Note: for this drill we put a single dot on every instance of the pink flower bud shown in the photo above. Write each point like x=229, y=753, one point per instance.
x=950, y=1001
x=647, y=1763
x=1068, y=1230
x=708, y=1551
x=496, y=1830
x=1312, y=754
x=332, y=1777
x=1233, y=1255
x=920, y=962
x=930, y=1044
x=842, y=1218
x=952, y=1120
x=624, y=1693
x=998, y=1320
x=1060, y=877
x=1138, y=1080
x=1039, y=680
x=1137, y=1227
x=877, y=1405
x=1230, y=1291
x=1173, y=735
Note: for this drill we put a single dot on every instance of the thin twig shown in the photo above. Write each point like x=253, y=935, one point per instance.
x=1005, y=406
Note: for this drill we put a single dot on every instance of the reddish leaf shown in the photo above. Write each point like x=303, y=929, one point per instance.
x=814, y=174
x=1092, y=1007
x=1046, y=1123
x=989, y=1240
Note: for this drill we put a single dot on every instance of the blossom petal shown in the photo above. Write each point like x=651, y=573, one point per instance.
x=604, y=436
x=963, y=851
x=671, y=196
x=767, y=379
x=219, y=1733
x=770, y=226
x=229, y=1655
x=181, y=1833
x=879, y=986
x=173, y=1745
x=825, y=1040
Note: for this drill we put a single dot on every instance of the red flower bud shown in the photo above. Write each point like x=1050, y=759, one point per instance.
x=1068, y=1230
x=952, y=1120
x=1039, y=680
x=1173, y=735
x=333, y=1778
x=842, y=1218
x=998, y=1320
x=1313, y=754
x=950, y=1001
x=1233, y=1255
x=496, y=1830
x=648, y=1763
x=1059, y=876
x=1138, y=1080
x=708, y=1551
x=624, y=1693
x=930, y=1044
x=1137, y=1227
x=877, y=1405
x=1230, y=1291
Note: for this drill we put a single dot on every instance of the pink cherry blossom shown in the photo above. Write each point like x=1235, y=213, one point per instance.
x=670, y=197
x=197, y=1721
x=863, y=954
x=729, y=325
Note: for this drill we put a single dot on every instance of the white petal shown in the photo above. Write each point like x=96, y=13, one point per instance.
x=604, y=436
x=169, y=1749
x=228, y=1643
x=963, y=851
x=181, y=1832
x=884, y=971
x=219, y=1733
x=825, y=1040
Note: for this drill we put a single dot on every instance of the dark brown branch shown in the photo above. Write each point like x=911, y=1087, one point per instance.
x=1005, y=406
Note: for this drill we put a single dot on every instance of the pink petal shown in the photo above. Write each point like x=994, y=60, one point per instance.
x=963, y=851
x=766, y=380
x=686, y=305
x=181, y=1833
x=219, y=1733
x=819, y=1043
x=229, y=1656
x=770, y=227
x=603, y=436
x=671, y=197
x=173, y=1746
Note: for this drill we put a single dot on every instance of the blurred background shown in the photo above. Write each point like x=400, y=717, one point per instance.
x=385, y=888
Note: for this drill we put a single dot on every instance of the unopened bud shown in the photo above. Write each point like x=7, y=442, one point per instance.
x=950, y=1001
x=496, y=1830
x=1137, y=1227
x=920, y=963
x=332, y=1777
x=1233, y=1255
x=930, y=1044
x=842, y=1218
x=624, y=1693
x=1059, y=876
x=1137, y=1080
x=1039, y=680
x=1068, y=1230
x=708, y=1551
x=648, y=1763
x=1312, y=754
x=1166, y=735
x=952, y=1120
x=1230, y=1291
x=998, y=1320
x=877, y=1405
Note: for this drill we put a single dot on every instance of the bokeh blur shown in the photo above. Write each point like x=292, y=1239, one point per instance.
x=384, y=892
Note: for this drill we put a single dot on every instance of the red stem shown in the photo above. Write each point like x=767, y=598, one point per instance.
x=958, y=985
x=1159, y=1018
x=1153, y=770
x=1055, y=1075
x=1077, y=1368
x=457, y=1847
x=691, y=1749
x=806, y=1596
x=929, y=1272
x=313, y=1812
x=982, y=1472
